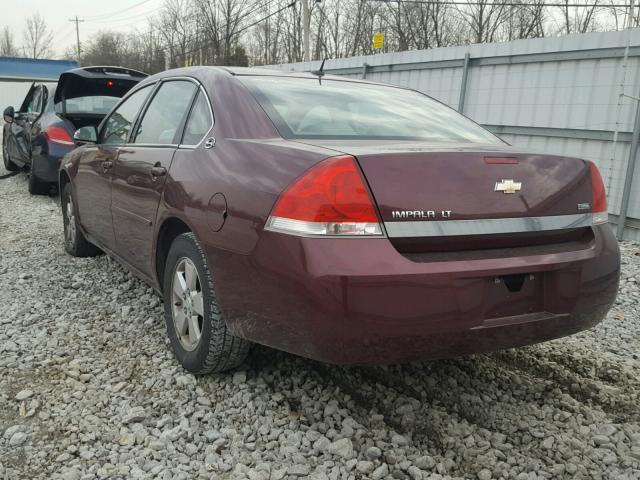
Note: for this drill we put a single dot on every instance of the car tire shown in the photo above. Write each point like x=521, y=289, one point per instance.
x=8, y=164
x=37, y=186
x=75, y=243
x=199, y=335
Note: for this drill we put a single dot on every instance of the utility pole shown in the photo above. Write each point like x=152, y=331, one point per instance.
x=77, y=22
x=267, y=36
x=631, y=14
x=306, y=26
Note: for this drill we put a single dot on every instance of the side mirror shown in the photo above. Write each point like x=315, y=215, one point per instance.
x=85, y=135
x=9, y=114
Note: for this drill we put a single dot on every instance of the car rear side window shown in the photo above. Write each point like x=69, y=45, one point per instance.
x=199, y=121
x=118, y=125
x=166, y=113
x=334, y=109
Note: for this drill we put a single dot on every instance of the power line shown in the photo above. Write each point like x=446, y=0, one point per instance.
x=148, y=13
x=253, y=8
x=117, y=12
x=258, y=5
x=62, y=33
x=290, y=5
x=107, y=23
x=237, y=32
x=504, y=4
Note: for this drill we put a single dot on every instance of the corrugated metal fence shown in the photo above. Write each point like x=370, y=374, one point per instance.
x=574, y=95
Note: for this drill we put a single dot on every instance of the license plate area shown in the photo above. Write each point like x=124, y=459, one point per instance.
x=518, y=294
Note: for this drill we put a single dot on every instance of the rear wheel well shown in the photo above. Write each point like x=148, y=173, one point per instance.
x=169, y=231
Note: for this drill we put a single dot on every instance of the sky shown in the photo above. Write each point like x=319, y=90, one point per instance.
x=119, y=15
x=124, y=15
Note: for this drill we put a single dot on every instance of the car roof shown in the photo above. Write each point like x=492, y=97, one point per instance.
x=200, y=71
x=272, y=72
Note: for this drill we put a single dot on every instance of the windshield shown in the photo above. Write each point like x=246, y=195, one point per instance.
x=95, y=104
x=333, y=109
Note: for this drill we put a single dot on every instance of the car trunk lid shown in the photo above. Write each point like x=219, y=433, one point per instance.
x=471, y=196
x=96, y=81
x=89, y=84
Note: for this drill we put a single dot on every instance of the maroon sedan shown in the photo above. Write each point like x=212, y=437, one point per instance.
x=341, y=220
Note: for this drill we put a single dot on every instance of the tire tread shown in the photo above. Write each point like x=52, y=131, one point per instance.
x=225, y=351
x=82, y=247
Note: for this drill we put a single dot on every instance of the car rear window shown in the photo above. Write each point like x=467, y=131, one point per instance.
x=334, y=109
x=94, y=104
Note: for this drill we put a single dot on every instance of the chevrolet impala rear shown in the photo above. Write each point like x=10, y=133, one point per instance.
x=417, y=234
x=340, y=220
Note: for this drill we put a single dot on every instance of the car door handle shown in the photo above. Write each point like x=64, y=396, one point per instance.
x=106, y=165
x=158, y=171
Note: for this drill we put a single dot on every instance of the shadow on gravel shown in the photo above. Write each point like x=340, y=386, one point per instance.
x=428, y=402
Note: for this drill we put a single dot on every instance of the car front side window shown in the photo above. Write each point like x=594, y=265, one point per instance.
x=35, y=102
x=117, y=127
x=161, y=123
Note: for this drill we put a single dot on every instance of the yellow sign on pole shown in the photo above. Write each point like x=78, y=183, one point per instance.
x=378, y=40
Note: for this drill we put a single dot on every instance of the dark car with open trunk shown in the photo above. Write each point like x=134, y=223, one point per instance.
x=341, y=220
x=40, y=133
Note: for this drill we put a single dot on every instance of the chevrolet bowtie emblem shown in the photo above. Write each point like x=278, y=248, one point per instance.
x=508, y=186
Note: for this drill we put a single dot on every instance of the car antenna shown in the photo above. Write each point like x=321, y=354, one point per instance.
x=320, y=72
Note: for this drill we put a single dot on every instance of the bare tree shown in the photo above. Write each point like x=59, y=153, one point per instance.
x=363, y=21
x=175, y=25
x=526, y=20
x=37, y=37
x=484, y=18
x=241, y=32
x=620, y=15
x=580, y=19
x=149, y=43
x=7, y=46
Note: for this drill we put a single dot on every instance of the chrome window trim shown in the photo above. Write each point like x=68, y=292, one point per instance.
x=103, y=123
x=486, y=226
x=149, y=145
x=156, y=85
x=213, y=122
x=134, y=132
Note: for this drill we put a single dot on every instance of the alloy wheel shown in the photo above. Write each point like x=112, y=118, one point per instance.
x=70, y=223
x=187, y=306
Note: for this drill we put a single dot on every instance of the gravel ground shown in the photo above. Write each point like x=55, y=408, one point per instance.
x=89, y=389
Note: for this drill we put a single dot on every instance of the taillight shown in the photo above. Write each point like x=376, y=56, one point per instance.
x=598, y=196
x=331, y=198
x=58, y=135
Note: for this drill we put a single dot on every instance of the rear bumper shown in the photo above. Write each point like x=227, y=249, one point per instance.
x=45, y=168
x=359, y=301
x=45, y=162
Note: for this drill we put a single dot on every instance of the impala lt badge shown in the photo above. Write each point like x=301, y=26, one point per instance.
x=421, y=214
x=508, y=186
